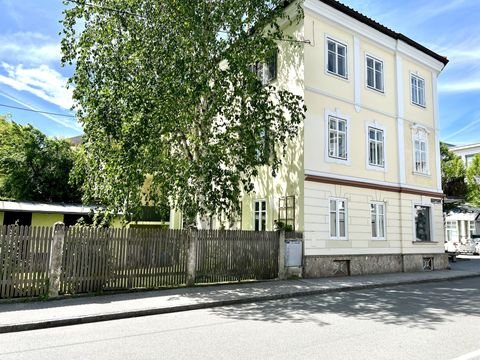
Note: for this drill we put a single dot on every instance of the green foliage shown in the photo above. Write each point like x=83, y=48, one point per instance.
x=98, y=218
x=473, y=181
x=166, y=89
x=453, y=172
x=34, y=167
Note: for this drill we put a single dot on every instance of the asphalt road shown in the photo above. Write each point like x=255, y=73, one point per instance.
x=427, y=321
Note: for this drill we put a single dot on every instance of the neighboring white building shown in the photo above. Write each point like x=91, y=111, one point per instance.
x=466, y=152
x=462, y=224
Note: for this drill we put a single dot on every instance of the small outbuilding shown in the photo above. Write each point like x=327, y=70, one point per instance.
x=40, y=214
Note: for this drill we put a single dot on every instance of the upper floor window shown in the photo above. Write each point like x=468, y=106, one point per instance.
x=260, y=215
x=336, y=58
x=417, y=90
x=374, y=73
x=338, y=219
x=377, y=211
x=376, y=147
x=266, y=70
x=420, y=151
x=337, y=138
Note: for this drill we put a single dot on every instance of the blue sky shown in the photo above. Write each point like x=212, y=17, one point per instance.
x=31, y=75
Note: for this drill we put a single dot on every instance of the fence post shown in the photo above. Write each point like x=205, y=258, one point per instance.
x=192, y=256
x=55, y=263
x=282, y=274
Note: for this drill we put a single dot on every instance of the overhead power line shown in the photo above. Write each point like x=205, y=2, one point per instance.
x=37, y=111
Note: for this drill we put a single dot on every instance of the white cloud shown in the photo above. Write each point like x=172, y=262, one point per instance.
x=460, y=86
x=29, y=48
x=429, y=11
x=41, y=81
x=454, y=136
x=59, y=120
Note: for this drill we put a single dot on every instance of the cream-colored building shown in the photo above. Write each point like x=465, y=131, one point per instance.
x=362, y=181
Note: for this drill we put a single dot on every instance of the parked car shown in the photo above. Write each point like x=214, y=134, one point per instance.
x=477, y=246
x=468, y=247
x=451, y=246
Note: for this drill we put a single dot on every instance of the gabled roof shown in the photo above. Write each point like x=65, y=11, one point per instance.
x=383, y=29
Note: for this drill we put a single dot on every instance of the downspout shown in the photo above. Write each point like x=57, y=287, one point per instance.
x=400, y=142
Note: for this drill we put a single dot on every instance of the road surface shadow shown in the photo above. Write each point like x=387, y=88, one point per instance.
x=416, y=306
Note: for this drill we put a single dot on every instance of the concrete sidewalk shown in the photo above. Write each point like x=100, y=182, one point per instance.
x=38, y=315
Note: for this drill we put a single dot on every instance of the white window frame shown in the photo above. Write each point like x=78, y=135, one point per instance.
x=337, y=222
x=453, y=230
x=337, y=43
x=371, y=166
x=416, y=90
x=374, y=87
x=376, y=205
x=336, y=114
x=430, y=221
x=338, y=148
x=260, y=201
x=471, y=228
x=420, y=135
x=262, y=68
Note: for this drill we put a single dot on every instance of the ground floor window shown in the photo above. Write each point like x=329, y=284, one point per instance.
x=471, y=229
x=451, y=231
x=378, y=220
x=422, y=223
x=260, y=215
x=286, y=212
x=337, y=219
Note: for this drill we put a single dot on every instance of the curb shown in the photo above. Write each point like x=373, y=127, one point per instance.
x=212, y=304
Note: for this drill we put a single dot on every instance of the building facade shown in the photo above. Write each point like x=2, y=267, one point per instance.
x=466, y=152
x=362, y=181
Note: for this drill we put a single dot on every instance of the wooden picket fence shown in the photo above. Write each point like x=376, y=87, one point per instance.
x=226, y=256
x=24, y=259
x=95, y=260
x=111, y=259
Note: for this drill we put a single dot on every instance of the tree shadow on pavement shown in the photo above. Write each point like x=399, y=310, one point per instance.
x=417, y=306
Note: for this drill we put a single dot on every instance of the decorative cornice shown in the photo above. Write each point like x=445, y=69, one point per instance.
x=367, y=185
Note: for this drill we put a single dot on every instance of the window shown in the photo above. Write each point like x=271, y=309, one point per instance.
x=336, y=58
x=286, y=212
x=471, y=229
x=262, y=152
x=267, y=70
x=376, y=147
x=17, y=218
x=337, y=138
x=374, y=73
x=418, y=90
x=337, y=219
x=469, y=160
x=422, y=223
x=420, y=151
x=451, y=231
x=260, y=215
x=378, y=220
